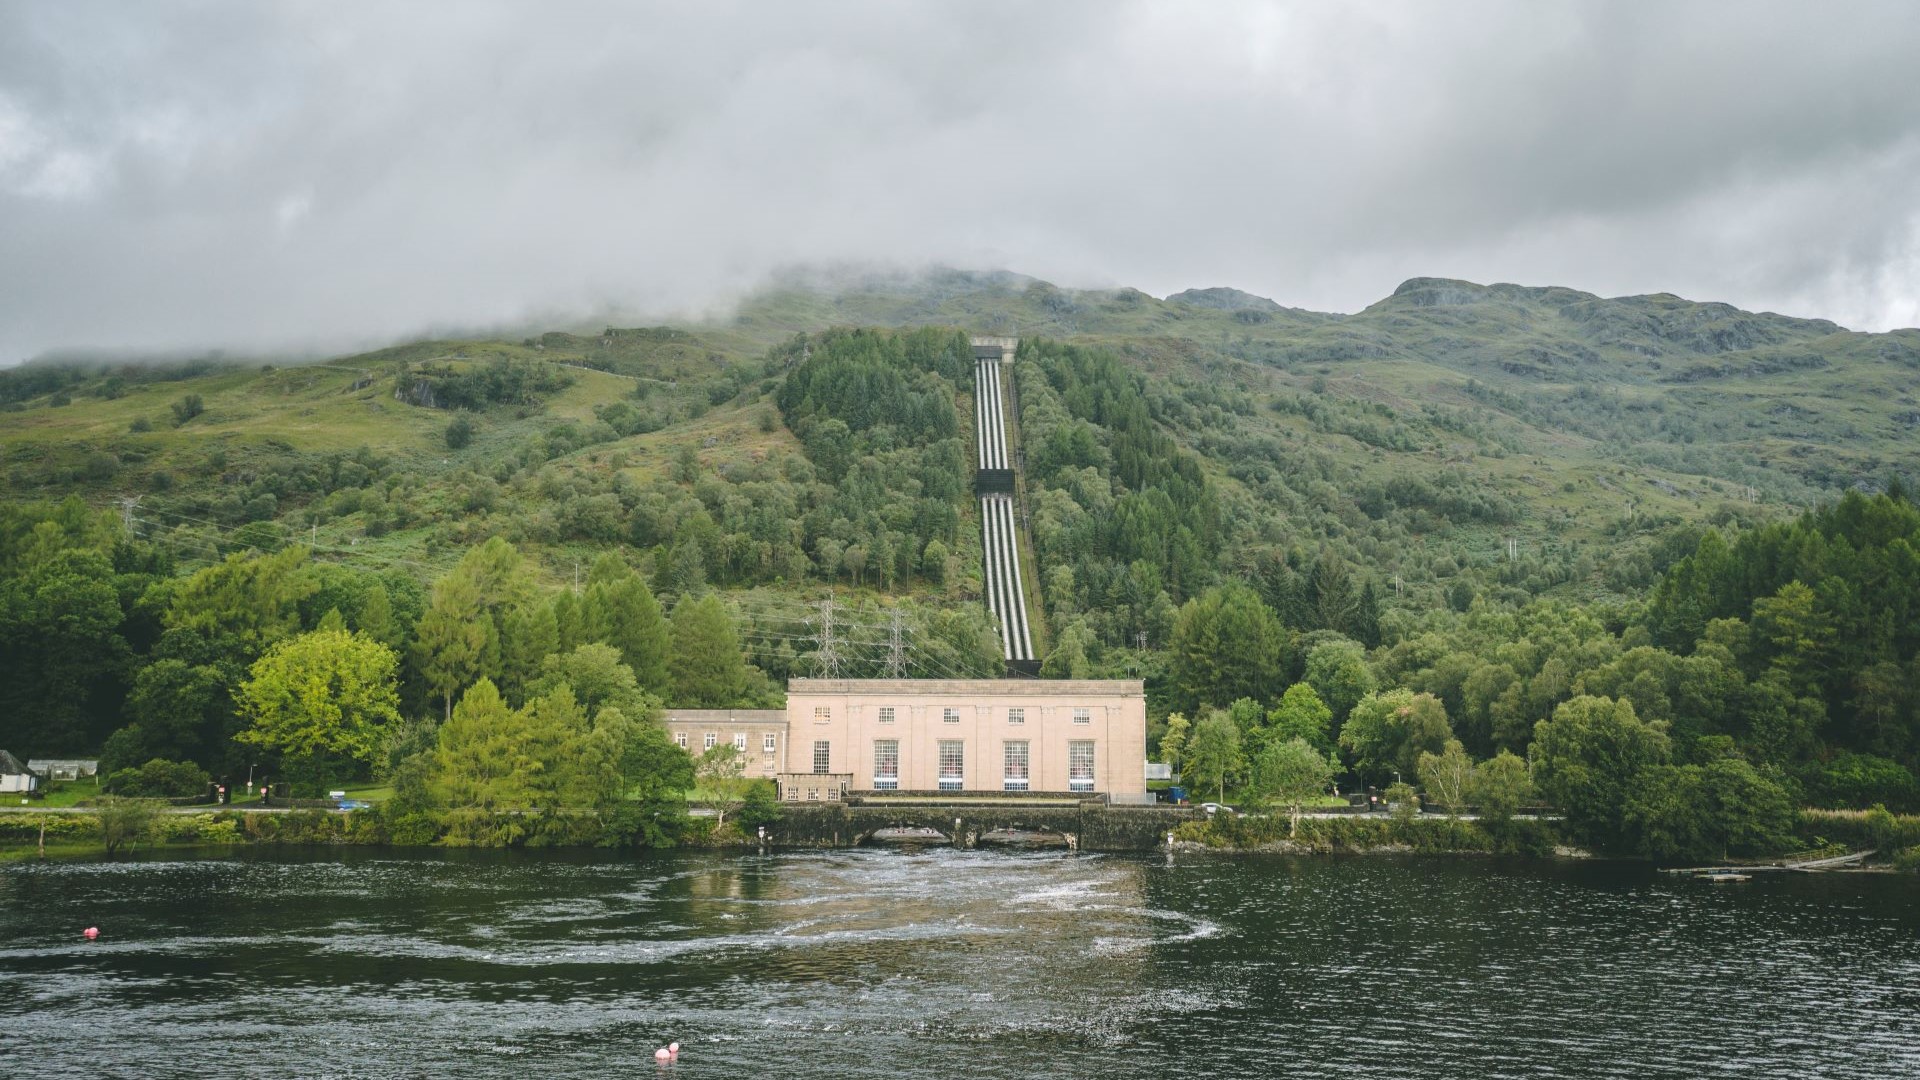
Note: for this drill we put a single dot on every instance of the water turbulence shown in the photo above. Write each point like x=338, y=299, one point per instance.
x=928, y=961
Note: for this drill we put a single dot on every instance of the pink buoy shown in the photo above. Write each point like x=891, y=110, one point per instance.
x=674, y=1049
x=662, y=1054
x=91, y=932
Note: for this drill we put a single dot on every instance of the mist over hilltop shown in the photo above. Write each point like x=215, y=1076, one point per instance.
x=318, y=178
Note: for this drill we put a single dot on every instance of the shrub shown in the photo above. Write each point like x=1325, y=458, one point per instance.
x=187, y=408
x=459, y=432
x=125, y=822
x=159, y=779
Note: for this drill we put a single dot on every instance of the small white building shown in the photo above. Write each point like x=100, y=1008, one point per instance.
x=15, y=777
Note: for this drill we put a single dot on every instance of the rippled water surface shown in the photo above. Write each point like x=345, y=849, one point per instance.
x=944, y=963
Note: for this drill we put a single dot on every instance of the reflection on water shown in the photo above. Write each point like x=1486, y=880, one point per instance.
x=888, y=963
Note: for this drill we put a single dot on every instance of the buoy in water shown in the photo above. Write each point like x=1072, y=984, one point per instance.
x=673, y=1049
x=662, y=1054
x=90, y=933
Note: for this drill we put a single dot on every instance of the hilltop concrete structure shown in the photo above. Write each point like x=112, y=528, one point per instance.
x=932, y=736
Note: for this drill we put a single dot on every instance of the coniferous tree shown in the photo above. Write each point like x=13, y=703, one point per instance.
x=456, y=642
x=529, y=635
x=706, y=667
x=1366, y=617
x=621, y=611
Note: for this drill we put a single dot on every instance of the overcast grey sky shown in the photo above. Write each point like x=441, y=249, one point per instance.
x=260, y=175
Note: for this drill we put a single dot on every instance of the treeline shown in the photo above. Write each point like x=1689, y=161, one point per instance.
x=1123, y=519
x=59, y=380
x=1786, y=694
x=318, y=669
x=500, y=381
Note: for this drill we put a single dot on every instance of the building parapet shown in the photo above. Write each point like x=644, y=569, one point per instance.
x=1073, y=688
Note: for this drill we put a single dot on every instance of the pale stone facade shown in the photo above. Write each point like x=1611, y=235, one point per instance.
x=974, y=735
x=759, y=734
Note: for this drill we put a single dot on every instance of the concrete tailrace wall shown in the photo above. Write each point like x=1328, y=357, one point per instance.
x=1090, y=826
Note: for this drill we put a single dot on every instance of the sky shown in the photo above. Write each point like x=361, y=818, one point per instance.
x=292, y=175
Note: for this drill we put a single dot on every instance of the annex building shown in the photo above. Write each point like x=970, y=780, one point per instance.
x=760, y=736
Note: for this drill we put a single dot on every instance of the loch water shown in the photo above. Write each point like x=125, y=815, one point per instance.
x=944, y=963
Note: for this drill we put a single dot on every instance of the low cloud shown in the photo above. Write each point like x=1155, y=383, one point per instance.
x=319, y=175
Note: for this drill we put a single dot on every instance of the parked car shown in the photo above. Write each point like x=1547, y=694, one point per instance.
x=1214, y=808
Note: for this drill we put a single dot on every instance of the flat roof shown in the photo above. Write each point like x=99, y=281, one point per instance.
x=727, y=716
x=942, y=687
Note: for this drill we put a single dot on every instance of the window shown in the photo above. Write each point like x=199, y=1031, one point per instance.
x=1016, y=716
x=711, y=739
x=1015, y=776
x=767, y=743
x=1080, y=766
x=822, y=713
x=822, y=751
x=793, y=793
x=950, y=715
x=886, y=714
x=886, y=764
x=813, y=794
x=953, y=764
x=833, y=793
x=1083, y=716
x=681, y=738
x=740, y=742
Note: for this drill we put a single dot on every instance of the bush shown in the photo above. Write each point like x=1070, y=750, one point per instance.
x=126, y=822
x=761, y=807
x=459, y=432
x=159, y=779
x=1851, y=781
x=1908, y=860
x=187, y=408
x=139, y=424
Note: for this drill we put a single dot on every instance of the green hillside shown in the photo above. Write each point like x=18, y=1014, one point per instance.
x=1485, y=495
x=1440, y=429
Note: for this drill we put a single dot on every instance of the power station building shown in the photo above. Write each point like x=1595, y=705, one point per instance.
x=965, y=735
x=927, y=736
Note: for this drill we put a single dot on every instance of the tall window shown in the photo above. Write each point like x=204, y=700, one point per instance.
x=822, y=755
x=1080, y=765
x=681, y=738
x=767, y=743
x=1015, y=776
x=740, y=741
x=886, y=714
x=953, y=764
x=886, y=764
x=822, y=713
x=950, y=714
x=711, y=739
x=1083, y=716
x=1016, y=716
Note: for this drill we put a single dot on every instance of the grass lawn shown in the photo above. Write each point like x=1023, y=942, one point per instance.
x=60, y=794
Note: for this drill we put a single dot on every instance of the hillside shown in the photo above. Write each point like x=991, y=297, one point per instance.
x=1499, y=500
x=1476, y=421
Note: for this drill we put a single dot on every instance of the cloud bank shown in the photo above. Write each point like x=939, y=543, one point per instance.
x=262, y=176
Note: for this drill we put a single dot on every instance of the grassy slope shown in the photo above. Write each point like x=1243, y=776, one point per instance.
x=1794, y=408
